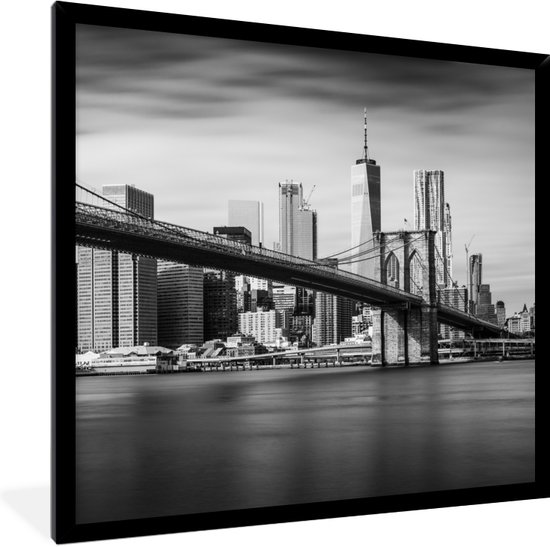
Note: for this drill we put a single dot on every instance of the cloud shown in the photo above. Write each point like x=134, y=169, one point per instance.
x=198, y=121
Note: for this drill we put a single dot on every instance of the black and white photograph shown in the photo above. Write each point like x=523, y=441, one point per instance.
x=293, y=276
x=292, y=286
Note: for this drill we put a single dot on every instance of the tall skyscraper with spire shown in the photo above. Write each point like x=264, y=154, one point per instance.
x=365, y=209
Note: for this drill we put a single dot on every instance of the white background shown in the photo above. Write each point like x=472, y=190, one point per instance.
x=25, y=267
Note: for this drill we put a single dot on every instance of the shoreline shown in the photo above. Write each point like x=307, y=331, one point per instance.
x=241, y=368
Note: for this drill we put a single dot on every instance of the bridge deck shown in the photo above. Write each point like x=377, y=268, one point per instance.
x=109, y=229
x=106, y=228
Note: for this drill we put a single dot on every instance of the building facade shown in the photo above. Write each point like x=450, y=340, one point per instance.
x=117, y=292
x=500, y=309
x=365, y=210
x=220, y=305
x=234, y=233
x=456, y=297
x=297, y=222
x=261, y=325
x=432, y=213
x=333, y=316
x=475, y=264
x=485, y=309
x=333, y=319
x=180, y=304
x=249, y=214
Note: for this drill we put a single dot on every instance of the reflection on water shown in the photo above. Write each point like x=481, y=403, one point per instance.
x=175, y=444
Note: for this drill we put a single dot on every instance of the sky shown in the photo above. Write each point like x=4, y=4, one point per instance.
x=198, y=121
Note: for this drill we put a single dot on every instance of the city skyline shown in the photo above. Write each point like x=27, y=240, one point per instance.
x=198, y=126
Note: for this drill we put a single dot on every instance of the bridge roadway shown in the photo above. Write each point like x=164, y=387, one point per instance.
x=111, y=229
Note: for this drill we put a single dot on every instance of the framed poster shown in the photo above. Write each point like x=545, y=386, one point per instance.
x=260, y=314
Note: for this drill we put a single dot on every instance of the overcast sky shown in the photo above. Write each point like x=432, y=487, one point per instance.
x=198, y=121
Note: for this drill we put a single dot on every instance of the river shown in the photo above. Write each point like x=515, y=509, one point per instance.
x=159, y=445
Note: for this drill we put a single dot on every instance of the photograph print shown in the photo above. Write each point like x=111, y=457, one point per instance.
x=303, y=275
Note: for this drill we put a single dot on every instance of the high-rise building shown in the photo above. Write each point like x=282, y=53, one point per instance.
x=432, y=213
x=97, y=299
x=220, y=305
x=301, y=327
x=297, y=222
x=333, y=319
x=447, y=234
x=298, y=237
x=284, y=297
x=117, y=292
x=501, y=313
x=234, y=233
x=513, y=324
x=485, y=309
x=525, y=319
x=456, y=297
x=475, y=280
x=365, y=209
x=261, y=324
x=180, y=304
x=333, y=315
x=249, y=214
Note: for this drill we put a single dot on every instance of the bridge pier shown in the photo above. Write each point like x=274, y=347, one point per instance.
x=402, y=333
x=404, y=336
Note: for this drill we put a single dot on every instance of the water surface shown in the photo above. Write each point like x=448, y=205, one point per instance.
x=161, y=445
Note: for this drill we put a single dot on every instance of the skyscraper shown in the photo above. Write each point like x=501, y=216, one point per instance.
x=485, y=309
x=365, y=208
x=456, y=297
x=249, y=214
x=432, y=213
x=474, y=279
x=297, y=222
x=234, y=233
x=117, y=292
x=333, y=315
x=501, y=313
x=220, y=305
x=180, y=304
x=298, y=237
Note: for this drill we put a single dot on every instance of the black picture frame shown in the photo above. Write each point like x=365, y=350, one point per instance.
x=65, y=17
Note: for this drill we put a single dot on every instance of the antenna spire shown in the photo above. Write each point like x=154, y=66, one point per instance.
x=365, y=146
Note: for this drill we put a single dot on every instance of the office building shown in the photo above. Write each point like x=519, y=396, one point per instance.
x=301, y=329
x=432, y=213
x=525, y=319
x=333, y=315
x=500, y=310
x=220, y=305
x=485, y=309
x=456, y=297
x=297, y=222
x=117, y=292
x=284, y=297
x=474, y=280
x=333, y=319
x=261, y=325
x=365, y=209
x=234, y=233
x=180, y=304
x=249, y=214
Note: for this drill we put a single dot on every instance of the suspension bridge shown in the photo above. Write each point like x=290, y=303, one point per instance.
x=405, y=323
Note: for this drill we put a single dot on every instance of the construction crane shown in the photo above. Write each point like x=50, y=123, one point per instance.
x=305, y=202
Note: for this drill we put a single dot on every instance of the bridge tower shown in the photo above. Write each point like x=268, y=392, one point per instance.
x=404, y=334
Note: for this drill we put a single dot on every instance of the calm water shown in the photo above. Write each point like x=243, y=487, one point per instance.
x=174, y=444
